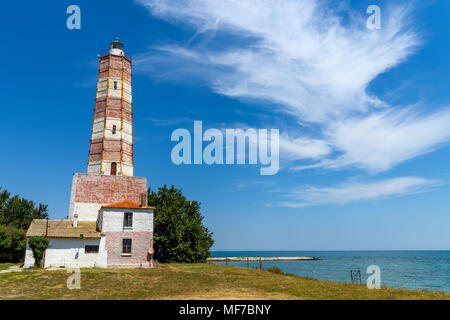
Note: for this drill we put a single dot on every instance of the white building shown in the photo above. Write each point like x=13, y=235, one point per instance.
x=121, y=237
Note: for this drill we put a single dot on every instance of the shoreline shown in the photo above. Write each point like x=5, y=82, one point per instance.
x=231, y=259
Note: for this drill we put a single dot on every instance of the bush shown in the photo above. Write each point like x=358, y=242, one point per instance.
x=38, y=246
x=276, y=270
x=179, y=233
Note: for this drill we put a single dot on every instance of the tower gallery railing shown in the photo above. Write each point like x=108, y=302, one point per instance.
x=105, y=52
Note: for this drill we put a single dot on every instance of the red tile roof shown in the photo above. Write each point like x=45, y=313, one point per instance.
x=126, y=204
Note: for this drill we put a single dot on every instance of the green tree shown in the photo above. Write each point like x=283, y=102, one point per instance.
x=4, y=196
x=38, y=246
x=5, y=245
x=16, y=215
x=179, y=233
x=12, y=244
x=20, y=212
x=19, y=244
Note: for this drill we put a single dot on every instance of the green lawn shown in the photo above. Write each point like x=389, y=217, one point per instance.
x=188, y=281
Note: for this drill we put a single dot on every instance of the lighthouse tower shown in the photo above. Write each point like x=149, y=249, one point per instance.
x=111, y=149
x=110, y=178
x=110, y=223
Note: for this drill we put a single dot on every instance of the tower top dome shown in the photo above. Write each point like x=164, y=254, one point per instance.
x=116, y=48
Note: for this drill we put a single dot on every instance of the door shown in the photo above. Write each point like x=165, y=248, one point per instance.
x=113, y=169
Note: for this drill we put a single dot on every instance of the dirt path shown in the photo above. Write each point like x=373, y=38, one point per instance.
x=12, y=269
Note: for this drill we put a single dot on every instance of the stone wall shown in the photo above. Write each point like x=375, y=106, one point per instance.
x=90, y=192
x=139, y=257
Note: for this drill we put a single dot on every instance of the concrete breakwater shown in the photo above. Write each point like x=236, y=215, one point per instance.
x=231, y=259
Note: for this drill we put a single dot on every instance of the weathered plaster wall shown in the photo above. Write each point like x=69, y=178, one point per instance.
x=70, y=253
x=29, y=259
x=141, y=234
x=139, y=257
x=87, y=211
x=90, y=192
x=112, y=220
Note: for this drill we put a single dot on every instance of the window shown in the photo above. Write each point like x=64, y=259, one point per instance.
x=90, y=249
x=113, y=169
x=115, y=85
x=128, y=219
x=126, y=246
x=114, y=129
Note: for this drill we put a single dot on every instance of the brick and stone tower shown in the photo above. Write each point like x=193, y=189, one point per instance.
x=111, y=149
x=109, y=178
x=110, y=223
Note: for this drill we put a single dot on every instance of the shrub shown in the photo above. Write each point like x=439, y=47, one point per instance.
x=276, y=270
x=38, y=246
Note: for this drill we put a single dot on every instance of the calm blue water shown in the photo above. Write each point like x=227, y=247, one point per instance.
x=422, y=270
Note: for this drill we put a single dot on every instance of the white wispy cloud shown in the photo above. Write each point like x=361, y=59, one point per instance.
x=381, y=140
x=170, y=122
x=303, y=148
x=302, y=57
x=293, y=53
x=351, y=192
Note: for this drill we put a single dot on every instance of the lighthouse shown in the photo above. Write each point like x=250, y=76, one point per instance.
x=111, y=148
x=110, y=223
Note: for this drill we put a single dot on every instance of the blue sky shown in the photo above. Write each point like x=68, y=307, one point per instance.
x=363, y=115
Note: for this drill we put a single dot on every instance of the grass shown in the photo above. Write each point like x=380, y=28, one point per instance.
x=189, y=281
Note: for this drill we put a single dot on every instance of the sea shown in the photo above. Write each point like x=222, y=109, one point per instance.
x=415, y=270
